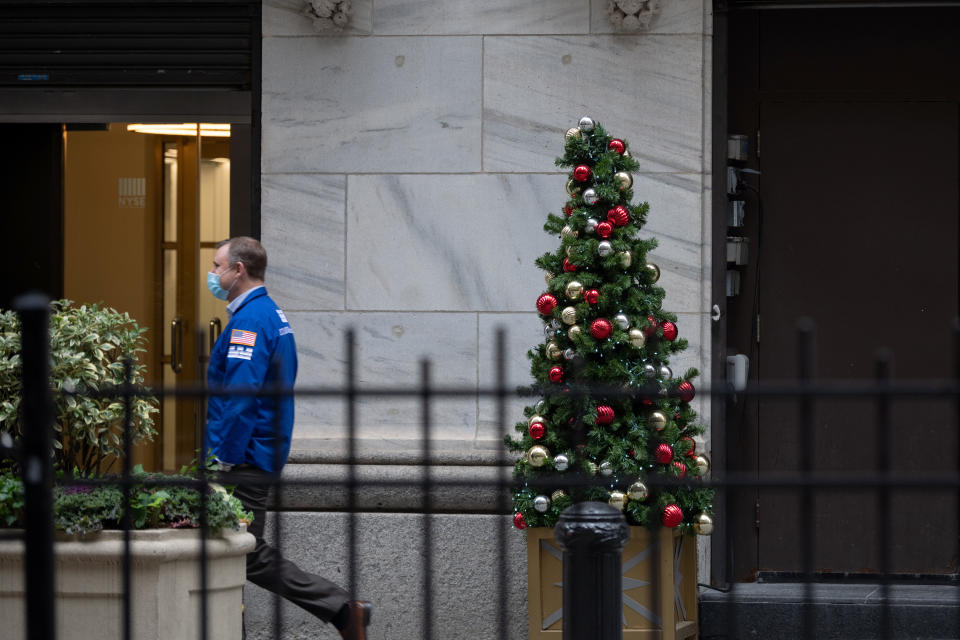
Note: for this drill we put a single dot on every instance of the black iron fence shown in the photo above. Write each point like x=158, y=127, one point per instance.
x=591, y=537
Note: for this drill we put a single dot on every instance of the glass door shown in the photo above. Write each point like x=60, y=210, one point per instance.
x=196, y=216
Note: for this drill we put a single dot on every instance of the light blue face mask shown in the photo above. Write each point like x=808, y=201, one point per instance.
x=213, y=283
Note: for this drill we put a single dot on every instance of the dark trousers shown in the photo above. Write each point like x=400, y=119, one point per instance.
x=266, y=567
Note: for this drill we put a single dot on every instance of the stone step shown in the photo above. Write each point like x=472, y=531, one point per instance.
x=775, y=611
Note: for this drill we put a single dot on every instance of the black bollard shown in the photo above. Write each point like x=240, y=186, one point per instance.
x=34, y=312
x=592, y=535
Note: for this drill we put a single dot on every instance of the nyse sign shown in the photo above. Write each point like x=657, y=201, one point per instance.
x=132, y=193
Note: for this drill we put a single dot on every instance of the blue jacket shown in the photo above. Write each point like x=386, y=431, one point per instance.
x=255, y=350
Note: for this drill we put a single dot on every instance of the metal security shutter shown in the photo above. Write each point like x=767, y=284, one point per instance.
x=129, y=44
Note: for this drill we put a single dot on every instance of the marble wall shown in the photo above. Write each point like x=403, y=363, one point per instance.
x=408, y=165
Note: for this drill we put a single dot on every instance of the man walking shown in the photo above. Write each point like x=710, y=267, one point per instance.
x=250, y=434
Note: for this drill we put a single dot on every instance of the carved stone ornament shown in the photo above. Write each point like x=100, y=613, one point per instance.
x=329, y=15
x=632, y=15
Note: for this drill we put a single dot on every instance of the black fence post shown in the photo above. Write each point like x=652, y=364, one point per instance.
x=34, y=311
x=592, y=535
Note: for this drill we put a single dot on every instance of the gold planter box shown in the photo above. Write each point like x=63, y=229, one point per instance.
x=668, y=612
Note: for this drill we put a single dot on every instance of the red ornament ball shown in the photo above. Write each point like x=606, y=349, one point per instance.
x=681, y=468
x=664, y=453
x=568, y=210
x=651, y=327
x=537, y=430
x=604, y=229
x=592, y=296
x=581, y=173
x=672, y=515
x=568, y=266
x=605, y=414
x=546, y=303
x=601, y=328
x=669, y=331
x=617, y=145
x=518, y=521
x=556, y=374
x=686, y=389
x=691, y=446
x=618, y=216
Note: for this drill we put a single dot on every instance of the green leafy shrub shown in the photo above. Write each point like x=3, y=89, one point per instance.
x=88, y=346
x=11, y=499
x=82, y=509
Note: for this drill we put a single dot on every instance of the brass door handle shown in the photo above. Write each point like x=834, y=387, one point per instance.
x=215, y=329
x=176, y=344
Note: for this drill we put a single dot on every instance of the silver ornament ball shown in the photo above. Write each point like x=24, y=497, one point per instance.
x=622, y=321
x=561, y=462
x=606, y=468
x=592, y=225
x=605, y=248
x=665, y=372
x=569, y=354
x=586, y=123
x=590, y=196
x=541, y=503
x=638, y=491
x=649, y=371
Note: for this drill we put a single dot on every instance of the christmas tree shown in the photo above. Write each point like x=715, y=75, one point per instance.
x=612, y=415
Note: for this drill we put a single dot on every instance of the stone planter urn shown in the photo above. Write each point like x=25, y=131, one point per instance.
x=165, y=599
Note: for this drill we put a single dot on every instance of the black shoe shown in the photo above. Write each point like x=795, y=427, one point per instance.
x=358, y=617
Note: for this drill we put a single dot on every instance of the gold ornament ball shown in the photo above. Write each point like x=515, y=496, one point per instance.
x=703, y=524
x=702, y=464
x=617, y=499
x=574, y=289
x=567, y=232
x=624, y=179
x=537, y=456
x=625, y=259
x=535, y=419
x=553, y=351
x=574, y=332
x=572, y=187
x=653, y=272
x=592, y=468
x=626, y=153
x=657, y=420
x=557, y=495
x=637, y=338
x=572, y=132
x=547, y=277
x=569, y=315
x=638, y=491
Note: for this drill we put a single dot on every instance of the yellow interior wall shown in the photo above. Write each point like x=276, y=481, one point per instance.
x=110, y=250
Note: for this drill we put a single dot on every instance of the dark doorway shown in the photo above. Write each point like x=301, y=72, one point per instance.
x=852, y=116
x=32, y=193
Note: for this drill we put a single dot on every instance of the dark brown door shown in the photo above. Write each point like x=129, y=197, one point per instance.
x=856, y=115
x=860, y=235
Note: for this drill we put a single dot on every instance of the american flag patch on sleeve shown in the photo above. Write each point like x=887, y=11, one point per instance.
x=239, y=336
